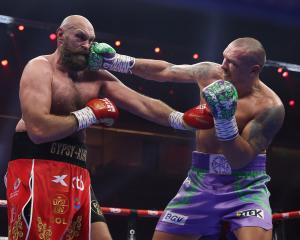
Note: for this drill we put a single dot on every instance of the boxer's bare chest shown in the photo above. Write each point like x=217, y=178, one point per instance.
x=70, y=93
x=247, y=110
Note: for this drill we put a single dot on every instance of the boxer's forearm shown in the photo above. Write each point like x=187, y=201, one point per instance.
x=256, y=136
x=156, y=70
x=162, y=71
x=238, y=152
x=151, y=109
x=50, y=128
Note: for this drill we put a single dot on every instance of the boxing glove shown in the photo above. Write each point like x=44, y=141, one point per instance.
x=104, y=56
x=101, y=111
x=221, y=97
x=195, y=118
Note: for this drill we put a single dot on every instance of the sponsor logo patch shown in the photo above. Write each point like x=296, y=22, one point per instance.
x=78, y=183
x=219, y=165
x=60, y=180
x=60, y=204
x=77, y=203
x=251, y=213
x=174, y=218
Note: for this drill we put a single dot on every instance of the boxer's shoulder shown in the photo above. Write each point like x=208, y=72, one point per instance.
x=40, y=63
x=265, y=98
x=207, y=72
x=43, y=59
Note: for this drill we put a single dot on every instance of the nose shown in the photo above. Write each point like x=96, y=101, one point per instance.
x=86, y=46
x=224, y=64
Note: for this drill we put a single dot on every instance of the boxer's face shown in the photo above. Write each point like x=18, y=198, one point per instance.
x=75, y=47
x=236, y=70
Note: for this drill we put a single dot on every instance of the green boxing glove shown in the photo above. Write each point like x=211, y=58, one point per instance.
x=221, y=97
x=104, y=56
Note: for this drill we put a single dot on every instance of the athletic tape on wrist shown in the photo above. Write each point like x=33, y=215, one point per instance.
x=226, y=129
x=120, y=63
x=85, y=118
x=176, y=120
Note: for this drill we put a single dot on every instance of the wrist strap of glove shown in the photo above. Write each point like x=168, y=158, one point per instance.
x=85, y=117
x=119, y=63
x=176, y=120
x=226, y=129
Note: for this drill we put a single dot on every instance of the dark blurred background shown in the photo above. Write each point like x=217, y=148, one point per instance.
x=137, y=164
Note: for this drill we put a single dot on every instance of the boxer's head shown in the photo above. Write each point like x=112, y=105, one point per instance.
x=74, y=37
x=244, y=58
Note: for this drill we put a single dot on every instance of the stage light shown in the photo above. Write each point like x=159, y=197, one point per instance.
x=195, y=55
x=52, y=36
x=4, y=62
x=280, y=70
x=21, y=27
x=157, y=50
x=118, y=43
x=285, y=74
x=292, y=103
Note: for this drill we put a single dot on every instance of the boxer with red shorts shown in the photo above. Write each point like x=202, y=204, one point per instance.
x=49, y=190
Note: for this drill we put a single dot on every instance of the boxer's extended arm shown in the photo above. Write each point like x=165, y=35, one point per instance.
x=163, y=71
x=201, y=73
x=138, y=104
x=35, y=98
x=103, y=56
x=152, y=109
x=255, y=138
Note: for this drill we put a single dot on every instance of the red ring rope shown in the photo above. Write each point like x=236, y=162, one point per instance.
x=157, y=213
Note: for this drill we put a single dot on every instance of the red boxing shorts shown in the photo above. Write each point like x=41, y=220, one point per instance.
x=48, y=191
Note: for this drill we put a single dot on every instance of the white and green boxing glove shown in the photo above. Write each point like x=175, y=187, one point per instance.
x=221, y=97
x=104, y=56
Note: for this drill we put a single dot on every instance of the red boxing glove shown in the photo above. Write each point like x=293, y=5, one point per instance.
x=196, y=118
x=105, y=111
x=97, y=111
x=199, y=117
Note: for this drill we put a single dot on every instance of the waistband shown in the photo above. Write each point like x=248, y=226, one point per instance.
x=65, y=150
x=218, y=164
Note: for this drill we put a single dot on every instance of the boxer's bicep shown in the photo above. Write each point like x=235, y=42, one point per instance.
x=261, y=130
x=207, y=72
x=35, y=91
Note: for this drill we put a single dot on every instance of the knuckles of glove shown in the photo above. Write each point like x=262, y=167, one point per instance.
x=103, y=49
x=199, y=117
x=105, y=111
x=221, y=97
x=99, y=51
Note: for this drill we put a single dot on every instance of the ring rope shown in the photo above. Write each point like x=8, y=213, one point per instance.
x=158, y=213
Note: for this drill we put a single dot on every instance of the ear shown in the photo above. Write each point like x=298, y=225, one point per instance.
x=60, y=36
x=255, y=69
